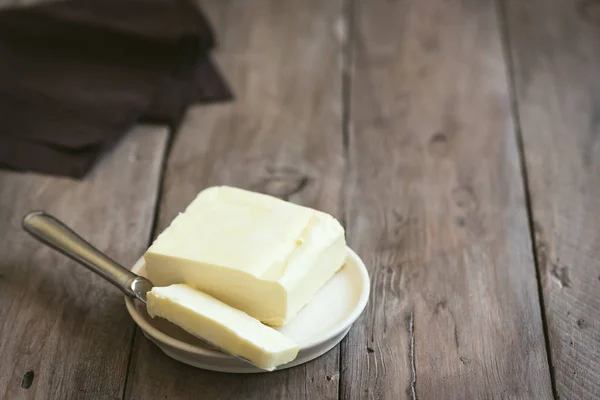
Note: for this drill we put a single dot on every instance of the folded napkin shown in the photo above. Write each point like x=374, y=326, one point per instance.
x=76, y=75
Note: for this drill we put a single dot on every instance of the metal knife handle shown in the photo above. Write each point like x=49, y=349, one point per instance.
x=60, y=237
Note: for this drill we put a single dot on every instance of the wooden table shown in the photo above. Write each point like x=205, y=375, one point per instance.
x=458, y=142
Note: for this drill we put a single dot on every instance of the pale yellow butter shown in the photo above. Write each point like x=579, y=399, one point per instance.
x=264, y=256
x=214, y=321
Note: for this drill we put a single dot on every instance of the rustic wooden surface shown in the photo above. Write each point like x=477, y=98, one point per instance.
x=558, y=97
x=436, y=205
x=446, y=136
x=64, y=333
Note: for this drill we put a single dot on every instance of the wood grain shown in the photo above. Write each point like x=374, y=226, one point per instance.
x=437, y=210
x=556, y=58
x=281, y=136
x=64, y=332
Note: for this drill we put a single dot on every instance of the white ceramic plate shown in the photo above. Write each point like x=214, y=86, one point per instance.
x=319, y=326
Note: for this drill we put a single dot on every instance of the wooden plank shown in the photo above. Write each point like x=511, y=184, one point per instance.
x=281, y=136
x=436, y=208
x=558, y=94
x=64, y=332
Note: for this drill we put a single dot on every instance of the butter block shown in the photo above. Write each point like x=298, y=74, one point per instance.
x=259, y=254
x=214, y=321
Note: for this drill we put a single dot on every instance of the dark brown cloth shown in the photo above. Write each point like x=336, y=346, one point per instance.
x=76, y=75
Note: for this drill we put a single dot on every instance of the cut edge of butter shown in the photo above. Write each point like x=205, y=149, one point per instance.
x=221, y=325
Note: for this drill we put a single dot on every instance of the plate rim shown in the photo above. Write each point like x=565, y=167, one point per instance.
x=189, y=348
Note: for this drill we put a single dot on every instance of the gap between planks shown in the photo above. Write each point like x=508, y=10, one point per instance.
x=505, y=38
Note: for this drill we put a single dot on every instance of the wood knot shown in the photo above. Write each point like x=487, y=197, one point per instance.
x=464, y=197
x=441, y=305
x=27, y=379
x=370, y=350
x=561, y=274
x=438, y=144
x=281, y=183
x=589, y=11
x=581, y=324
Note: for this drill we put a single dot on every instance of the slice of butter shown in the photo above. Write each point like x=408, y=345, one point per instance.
x=262, y=255
x=214, y=321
